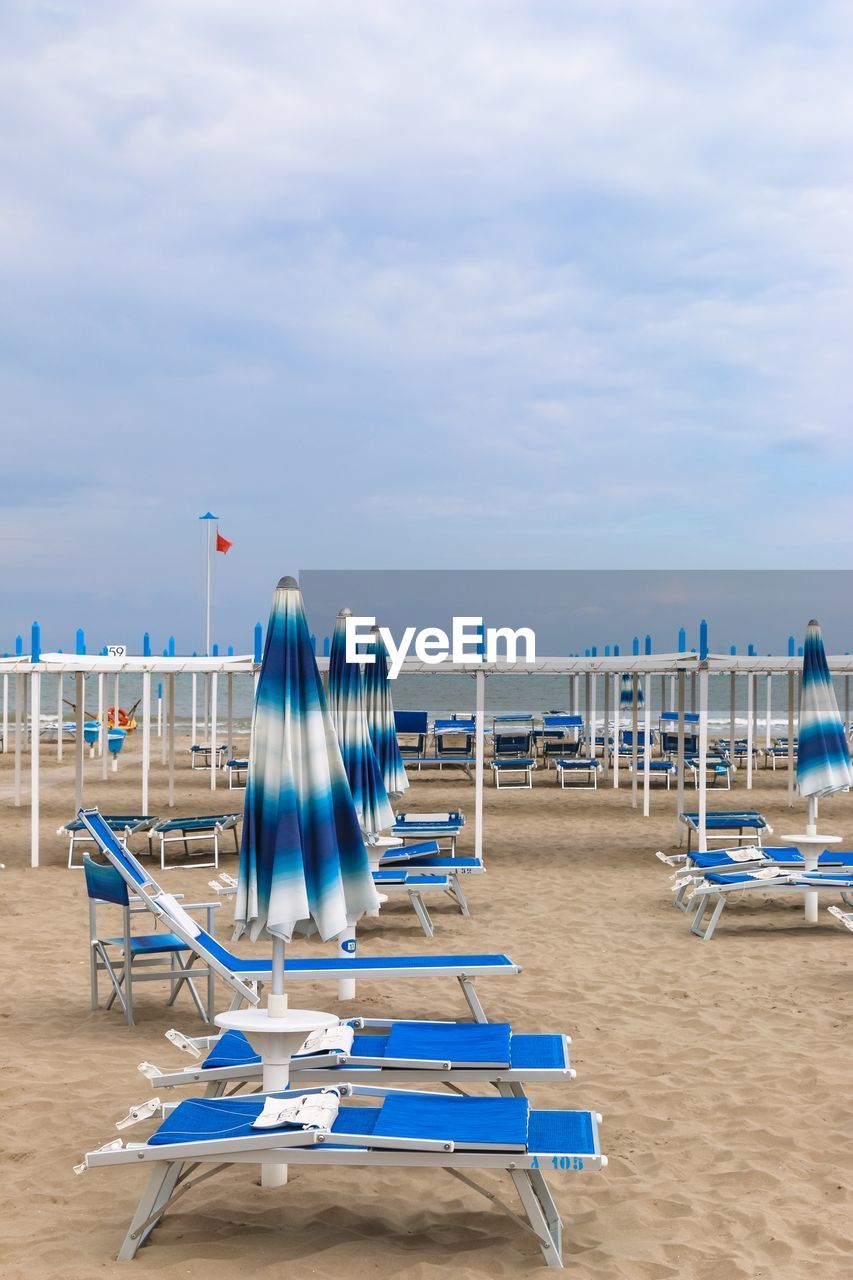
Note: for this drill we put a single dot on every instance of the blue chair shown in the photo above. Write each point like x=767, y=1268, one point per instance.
x=409, y=725
x=123, y=957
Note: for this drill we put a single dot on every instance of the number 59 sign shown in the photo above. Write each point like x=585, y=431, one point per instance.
x=116, y=650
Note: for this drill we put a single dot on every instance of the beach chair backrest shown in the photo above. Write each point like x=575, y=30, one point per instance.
x=104, y=883
x=411, y=721
x=159, y=903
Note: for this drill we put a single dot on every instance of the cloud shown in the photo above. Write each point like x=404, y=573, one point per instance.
x=373, y=278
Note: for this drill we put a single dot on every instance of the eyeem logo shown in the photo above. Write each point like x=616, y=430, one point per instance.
x=433, y=646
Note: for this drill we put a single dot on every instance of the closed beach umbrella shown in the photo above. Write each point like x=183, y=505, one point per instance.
x=626, y=691
x=823, y=756
x=380, y=717
x=349, y=716
x=303, y=864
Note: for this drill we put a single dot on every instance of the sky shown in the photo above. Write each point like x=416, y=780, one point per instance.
x=416, y=284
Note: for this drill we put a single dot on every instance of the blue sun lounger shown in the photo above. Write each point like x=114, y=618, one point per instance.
x=712, y=894
x=125, y=825
x=430, y=826
x=571, y=766
x=720, y=824
x=429, y=856
x=236, y=772
x=413, y=884
x=384, y=1051
x=200, y=828
x=242, y=974
x=692, y=867
x=398, y=1129
x=666, y=769
x=201, y=753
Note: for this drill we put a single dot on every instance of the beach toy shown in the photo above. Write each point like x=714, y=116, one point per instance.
x=115, y=742
x=125, y=721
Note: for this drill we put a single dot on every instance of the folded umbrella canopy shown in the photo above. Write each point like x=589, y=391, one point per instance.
x=380, y=716
x=349, y=716
x=303, y=864
x=823, y=754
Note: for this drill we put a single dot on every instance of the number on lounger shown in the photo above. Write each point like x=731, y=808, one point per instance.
x=575, y=1163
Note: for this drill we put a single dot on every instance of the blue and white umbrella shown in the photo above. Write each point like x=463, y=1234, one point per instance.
x=380, y=717
x=303, y=864
x=626, y=691
x=823, y=754
x=349, y=716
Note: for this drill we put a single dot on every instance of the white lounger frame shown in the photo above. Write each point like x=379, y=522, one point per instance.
x=327, y=1068
x=185, y=839
x=246, y=983
x=167, y=1180
x=713, y=898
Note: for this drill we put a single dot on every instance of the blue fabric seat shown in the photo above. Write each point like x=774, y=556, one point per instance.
x=143, y=944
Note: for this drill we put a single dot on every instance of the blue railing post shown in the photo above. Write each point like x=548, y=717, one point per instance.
x=682, y=640
x=648, y=645
x=35, y=643
x=259, y=642
x=703, y=640
x=171, y=647
x=80, y=641
x=146, y=645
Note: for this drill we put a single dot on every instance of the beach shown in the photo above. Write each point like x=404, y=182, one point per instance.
x=721, y=1069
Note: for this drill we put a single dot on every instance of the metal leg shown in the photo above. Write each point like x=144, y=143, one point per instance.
x=421, y=912
x=541, y=1213
x=156, y=1195
x=473, y=1000
x=457, y=893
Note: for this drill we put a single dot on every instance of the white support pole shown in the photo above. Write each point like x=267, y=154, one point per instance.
x=732, y=726
x=194, y=739
x=810, y=896
x=229, y=711
x=479, y=759
x=159, y=710
x=80, y=717
x=617, y=727
x=102, y=728
x=586, y=711
x=171, y=733
x=593, y=714
x=647, y=748
x=19, y=697
x=791, y=684
x=5, y=714
x=576, y=696
x=163, y=728
x=105, y=732
x=213, y=728
x=750, y=725
x=146, y=736
x=35, y=695
x=703, y=759
x=605, y=753
x=768, y=714
x=60, y=716
x=635, y=727
x=679, y=780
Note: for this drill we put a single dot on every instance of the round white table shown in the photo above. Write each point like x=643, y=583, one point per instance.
x=810, y=845
x=276, y=1039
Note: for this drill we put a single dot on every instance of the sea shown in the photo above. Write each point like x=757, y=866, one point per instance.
x=440, y=694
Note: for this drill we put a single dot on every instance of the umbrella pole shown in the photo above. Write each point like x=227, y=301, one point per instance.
x=810, y=859
x=346, y=948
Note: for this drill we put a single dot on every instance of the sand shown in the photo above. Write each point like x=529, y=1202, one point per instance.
x=722, y=1070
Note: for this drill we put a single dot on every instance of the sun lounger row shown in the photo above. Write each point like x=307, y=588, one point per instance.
x=162, y=833
x=341, y=1108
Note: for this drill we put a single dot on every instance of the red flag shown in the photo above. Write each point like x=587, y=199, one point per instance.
x=222, y=544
